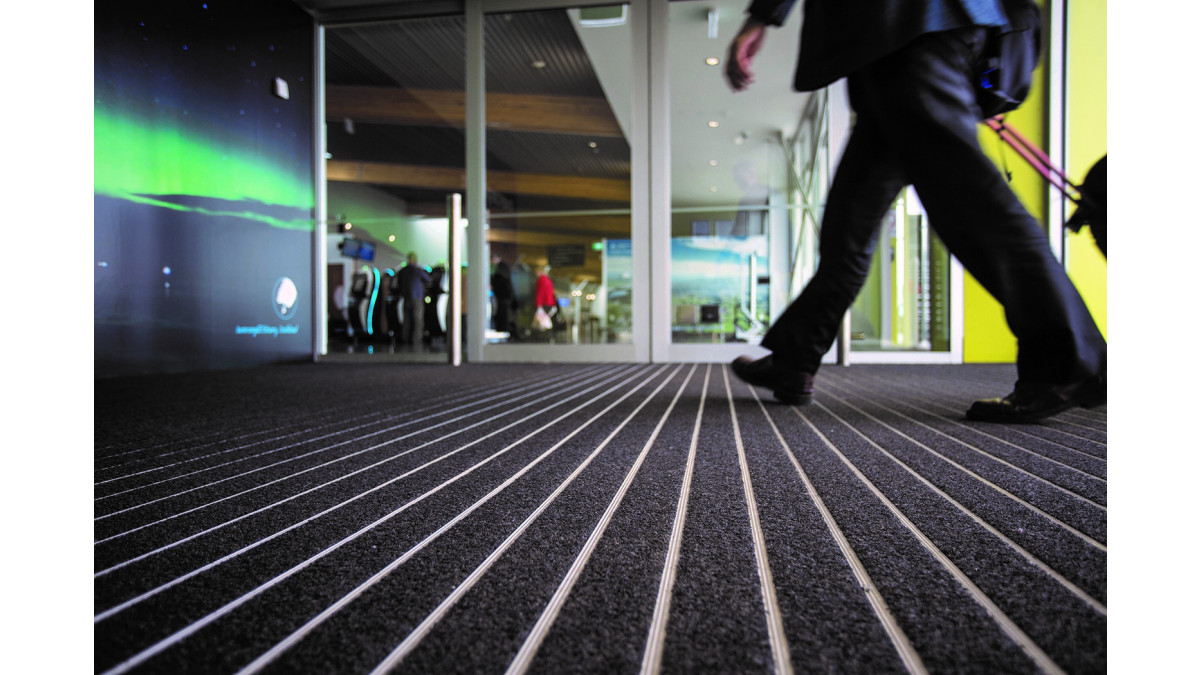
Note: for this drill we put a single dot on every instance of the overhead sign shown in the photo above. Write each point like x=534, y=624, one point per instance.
x=569, y=255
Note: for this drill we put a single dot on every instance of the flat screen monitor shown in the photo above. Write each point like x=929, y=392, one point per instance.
x=366, y=251
x=358, y=249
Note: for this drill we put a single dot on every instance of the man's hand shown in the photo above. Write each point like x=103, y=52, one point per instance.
x=742, y=51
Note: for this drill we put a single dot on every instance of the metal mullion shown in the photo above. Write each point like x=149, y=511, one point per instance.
x=476, y=170
x=658, y=308
x=320, y=270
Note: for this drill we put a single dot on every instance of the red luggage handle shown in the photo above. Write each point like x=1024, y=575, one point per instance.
x=1036, y=158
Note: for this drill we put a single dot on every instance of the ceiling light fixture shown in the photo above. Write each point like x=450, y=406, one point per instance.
x=713, y=162
x=712, y=61
x=598, y=17
x=713, y=124
x=539, y=64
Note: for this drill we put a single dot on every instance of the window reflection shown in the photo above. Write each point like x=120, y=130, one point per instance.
x=395, y=149
x=558, y=172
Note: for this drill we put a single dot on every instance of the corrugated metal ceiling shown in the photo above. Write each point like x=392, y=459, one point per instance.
x=428, y=54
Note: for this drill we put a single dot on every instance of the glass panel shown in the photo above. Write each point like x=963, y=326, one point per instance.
x=734, y=194
x=904, y=305
x=558, y=174
x=395, y=151
x=810, y=184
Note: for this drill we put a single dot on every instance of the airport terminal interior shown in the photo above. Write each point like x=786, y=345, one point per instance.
x=412, y=340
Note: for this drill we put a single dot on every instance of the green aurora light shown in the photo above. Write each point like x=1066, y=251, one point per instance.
x=136, y=158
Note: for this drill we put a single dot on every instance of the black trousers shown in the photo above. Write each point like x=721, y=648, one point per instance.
x=917, y=124
x=414, y=322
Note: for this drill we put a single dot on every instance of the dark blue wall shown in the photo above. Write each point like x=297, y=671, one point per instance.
x=203, y=185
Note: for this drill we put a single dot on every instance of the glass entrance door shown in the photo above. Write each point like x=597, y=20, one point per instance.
x=394, y=151
x=733, y=225
x=559, y=215
x=749, y=172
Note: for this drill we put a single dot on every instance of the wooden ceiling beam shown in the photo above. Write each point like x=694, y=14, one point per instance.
x=535, y=238
x=585, y=116
x=443, y=178
x=617, y=227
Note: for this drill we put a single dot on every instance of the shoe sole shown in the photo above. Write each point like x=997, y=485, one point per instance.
x=792, y=399
x=1019, y=419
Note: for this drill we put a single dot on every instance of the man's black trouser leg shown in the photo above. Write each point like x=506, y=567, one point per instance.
x=864, y=186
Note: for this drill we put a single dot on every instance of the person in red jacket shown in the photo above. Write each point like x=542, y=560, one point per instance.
x=543, y=296
x=544, y=291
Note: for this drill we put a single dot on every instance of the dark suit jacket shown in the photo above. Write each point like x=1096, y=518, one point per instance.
x=413, y=282
x=841, y=36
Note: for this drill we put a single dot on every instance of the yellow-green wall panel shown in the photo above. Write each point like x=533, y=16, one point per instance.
x=1087, y=139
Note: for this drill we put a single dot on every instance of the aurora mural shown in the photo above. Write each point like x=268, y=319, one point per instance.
x=203, y=185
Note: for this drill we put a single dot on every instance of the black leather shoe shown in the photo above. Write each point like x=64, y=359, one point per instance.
x=789, y=386
x=1030, y=402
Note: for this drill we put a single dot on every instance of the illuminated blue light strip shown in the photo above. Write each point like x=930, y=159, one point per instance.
x=371, y=307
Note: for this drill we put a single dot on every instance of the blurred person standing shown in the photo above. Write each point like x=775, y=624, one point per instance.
x=505, y=300
x=413, y=281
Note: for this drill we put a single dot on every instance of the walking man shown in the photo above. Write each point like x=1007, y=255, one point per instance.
x=909, y=66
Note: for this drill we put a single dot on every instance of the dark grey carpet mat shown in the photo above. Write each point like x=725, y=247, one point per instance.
x=355, y=518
